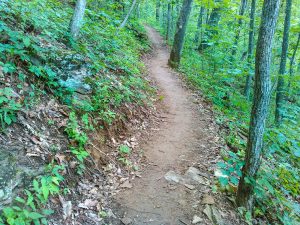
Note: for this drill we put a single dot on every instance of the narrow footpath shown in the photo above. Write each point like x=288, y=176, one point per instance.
x=176, y=186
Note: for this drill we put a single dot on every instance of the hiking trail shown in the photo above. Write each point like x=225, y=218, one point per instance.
x=186, y=143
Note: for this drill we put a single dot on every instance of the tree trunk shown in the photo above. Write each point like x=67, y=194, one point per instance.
x=282, y=67
x=292, y=63
x=138, y=15
x=212, y=25
x=199, y=24
x=181, y=25
x=128, y=14
x=250, y=49
x=262, y=93
x=77, y=18
x=169, y=19
x=240, y=20
x=157, y=10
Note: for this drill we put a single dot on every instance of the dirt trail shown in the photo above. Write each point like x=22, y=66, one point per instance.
x=187, y=138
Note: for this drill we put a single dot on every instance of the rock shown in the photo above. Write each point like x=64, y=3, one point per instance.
x=16, y=170
x=208, y=199
x=126, y=220
x=195, y=175
x=213, y=214
x=67, y=207
x=171, y=176
x=207, y=212
x=126, y=184
x=196, y=219
x=88, y=203
x=74, y=71
x=189, y=186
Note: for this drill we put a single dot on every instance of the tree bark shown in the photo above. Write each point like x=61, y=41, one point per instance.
x=250, y=49
x=282, y=68
x=212, y=25
x=181, y=25
x=157, y=10
x=199, y=24
x=292, y=63
x=128, y=14
x=262, y=93
x=77, y=18
x=169, y=19
x=240, y=20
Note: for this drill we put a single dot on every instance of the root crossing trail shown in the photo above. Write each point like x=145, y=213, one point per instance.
x=186, y=139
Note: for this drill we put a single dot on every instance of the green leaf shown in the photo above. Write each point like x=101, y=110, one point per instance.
x=234, y=180
x=36, y=186
x=48, y=212
x=223, y=181
x=124, y=149
x=19, y=199
x=35, y=215
x=7, y=119
x=222, y=165
x=45, y=188
x=26, y=41
x=296, y=150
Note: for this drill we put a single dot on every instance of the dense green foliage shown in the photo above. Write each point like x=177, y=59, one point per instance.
x=221, y=78
x=36, y=55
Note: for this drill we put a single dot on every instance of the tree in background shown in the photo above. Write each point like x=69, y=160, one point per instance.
x=212, y=24
x=240, y=20
x=157, y=10
x=169, y=20
x=77, y=18
x=282, y=68
x=292, y=61
x=181, y=25
x=128, y=14
x=199, y=24
x=262, y=93
x=250, y=49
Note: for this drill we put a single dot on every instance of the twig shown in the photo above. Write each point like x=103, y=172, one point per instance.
x=99, y=150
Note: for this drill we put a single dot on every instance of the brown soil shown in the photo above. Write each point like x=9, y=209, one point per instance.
x=189, y=137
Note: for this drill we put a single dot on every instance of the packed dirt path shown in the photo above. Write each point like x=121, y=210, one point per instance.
x=187, y=138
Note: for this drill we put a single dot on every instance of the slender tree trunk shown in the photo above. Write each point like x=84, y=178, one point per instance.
x=262, y=93
x=282, y=68
x=77, y=18
x=240, y=20
x=128, y=14
x=178, y=7
x=169, y=19
x=157, y=10
x=182, y=22
x=138, y=10
x=292, y=64
x=212, y=26
x=250, y=49
x=199, y=24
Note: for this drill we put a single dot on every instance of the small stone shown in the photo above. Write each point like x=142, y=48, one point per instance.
x=171, y=176
x=208, y=199
x=126, y=220
x=189, y=186
x=196, y=219
x=194, y=174
x=126, y=184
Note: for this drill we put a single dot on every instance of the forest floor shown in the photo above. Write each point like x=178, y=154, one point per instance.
x=175, y=186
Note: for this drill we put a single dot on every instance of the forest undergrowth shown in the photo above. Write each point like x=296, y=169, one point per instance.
x=93, y=77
